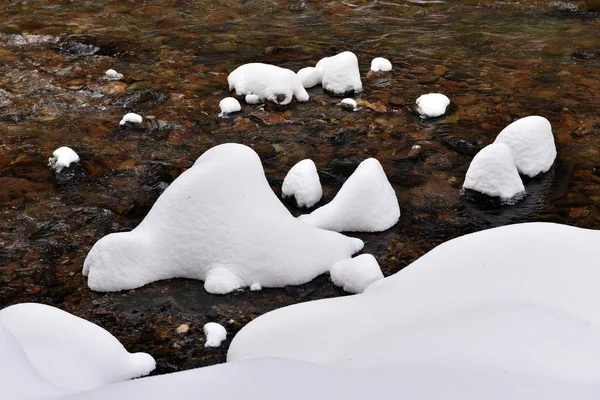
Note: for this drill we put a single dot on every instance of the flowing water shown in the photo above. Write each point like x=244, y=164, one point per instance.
x=497, y=61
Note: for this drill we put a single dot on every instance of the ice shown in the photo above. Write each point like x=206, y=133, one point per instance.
x=432, y=105
x=214, y=333
x=356, y=274
x=381, y=64
x=61, y=158
x=229, y=105
x=302, y=182
x=340, y=73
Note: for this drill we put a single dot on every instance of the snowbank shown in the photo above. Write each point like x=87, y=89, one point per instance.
x=493, y=172
x=366, y=202
x=522, y=299
x=215, y=334
x=381, y=64
x=131, y=117
x=113, y=75
x=219, y=222
x=532, y=144
x=61, y=158
x=302, y=182
x=356, y=274
x=340, y=73
x=70, y=352
x=310, y=76
x=432, y=105
x=229, y=105
x=269, y=82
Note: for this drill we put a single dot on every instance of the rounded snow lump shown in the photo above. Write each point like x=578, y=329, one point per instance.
x=252, y=99
x=229, y=105
x=532, y=144
x=302, y=182
x=220, y=222
x=349, y=104
x=354, y=275
x=131, y=117
x=310, y=76
x=493, y=172
x=381, y=64
x=62, y=158
x=267, y=82
x=366, y=202
x=214, y=333
x=432, y=105
x=340, y=73
x=114, y=75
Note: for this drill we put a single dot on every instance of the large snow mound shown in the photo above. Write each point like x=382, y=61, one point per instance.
x=267, y=81
x=302, y=182
x=532, y=144
x=356, y=274
x=521, y=298
x=493, y=172
x=432, y=105
x=70, y=352
x=366, y=202
x=340, y=73
x=61, y=158
x=219, y=222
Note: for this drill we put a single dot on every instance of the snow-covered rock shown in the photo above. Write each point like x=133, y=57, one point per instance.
x=310, y=76
x=302, y=182
x=70, y=352
x=131, y=117
x=349, y=104
x=255, y=287
x=354, y=275
x=61, y=158
x=340, y=73
x=215, y=334
x=493, y=172
x=381, y=64
x=219, y=222
x=366, y=202
x=252, y=99
x=229, y=105
x=432, y=105
x=113, y=75
x=279, y=85
x=532, y=144
x=522, y=299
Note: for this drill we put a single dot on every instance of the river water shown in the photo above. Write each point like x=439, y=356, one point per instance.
x=496, y=61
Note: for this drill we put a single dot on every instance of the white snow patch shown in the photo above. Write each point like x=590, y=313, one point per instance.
x=131, y=117
x=366, y=202
x=381, y=64
x=340, y=73
x=255, y=287
x=220, y=222
x=252, y=99
x=229, y=105
x=356, y=274
x=113, y=75
x=267, y=82
x=432, y=105
x=215, y=334
x=349, y=104
x=310, y=76
x=302, y=182
x=70, y=352
x=61, y=158
x=493, y=172
x=532, y=144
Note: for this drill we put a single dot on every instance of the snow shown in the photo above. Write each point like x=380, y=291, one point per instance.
x=113, y=75
x=229, y=105
x=532, y=144
x=521, y=298
x=366, y=202
x=432, y=105
x=70, y=352
x=214, y=333
x=131, y=117
x=349, y=104
x=302, y=182
x=267, y=82
x=219, y=222
x=340, y=73
x=255, y=287
x=493, y=172
x=381, y=64
x=310, y=76
x=356, y=274
x=252, y=99
x=61, y=158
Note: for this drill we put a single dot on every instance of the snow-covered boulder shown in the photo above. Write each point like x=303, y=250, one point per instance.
x=302, y=182
x=381, y=64
x=310, y=76
x=220, y=222
x=493, y=172
x=432, y=105
x=354, y=275
x=349, y=104
x=229, y=105
x=70, y=352
x=366, y=202
x=340, y=73
x=131, y=117
x=113, y=75
x=279, y=85
x=61, y=158
x=532, y=144
x=214, y=333
x=522, y=299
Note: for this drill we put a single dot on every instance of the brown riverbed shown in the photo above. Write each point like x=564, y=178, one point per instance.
x=497, y=61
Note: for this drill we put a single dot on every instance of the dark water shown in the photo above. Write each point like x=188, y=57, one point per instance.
x=497, y=61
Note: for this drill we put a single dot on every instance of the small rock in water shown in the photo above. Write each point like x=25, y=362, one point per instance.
x=114, y=75
x=183, y=328
x=381, y=64
x=228, y=106
x=67, y=168
x=131, y=117
x=349, y=104
x=61, y=158
x=432, y=105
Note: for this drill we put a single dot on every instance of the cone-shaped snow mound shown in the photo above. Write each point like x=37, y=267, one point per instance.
x=354, y=275
x=366, y=202
x=302, y=182
x=432, y=105
x=70, y=352
x=532, y=144
x=267, y=81
x=340, y=73
x=493, y=172
x=219, y=222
